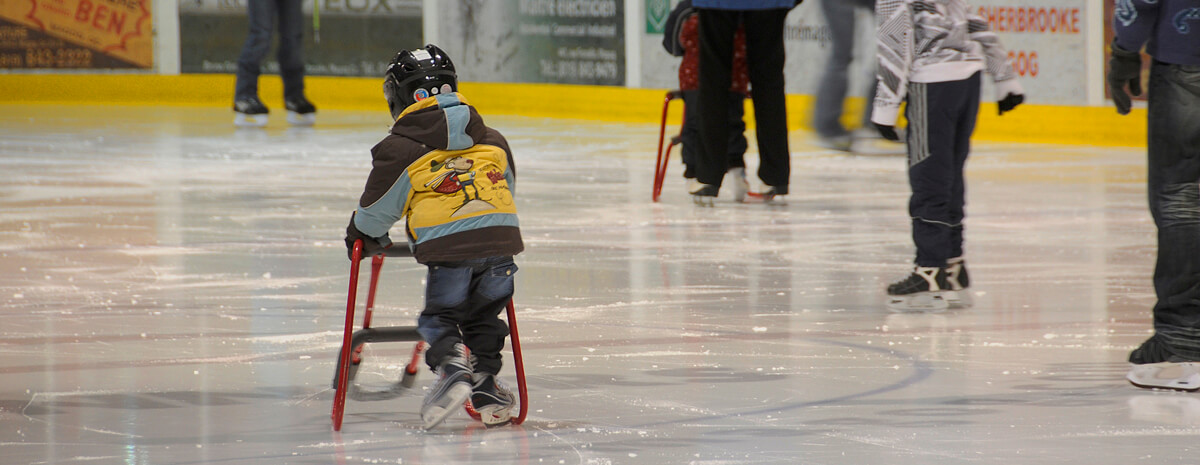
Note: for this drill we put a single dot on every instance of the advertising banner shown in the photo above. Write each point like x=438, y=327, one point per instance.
x=1047, y=44
x=75, y=34
x=347, y=38
x=536, y=41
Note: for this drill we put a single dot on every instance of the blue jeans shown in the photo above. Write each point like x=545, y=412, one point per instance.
x=463, y=301
x=262, y=14
x=1174, y=195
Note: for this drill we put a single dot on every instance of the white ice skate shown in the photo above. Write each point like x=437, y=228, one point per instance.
x=1183, y=376
x=740, y=185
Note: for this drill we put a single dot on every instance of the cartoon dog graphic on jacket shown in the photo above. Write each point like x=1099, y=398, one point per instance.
x=458, y=177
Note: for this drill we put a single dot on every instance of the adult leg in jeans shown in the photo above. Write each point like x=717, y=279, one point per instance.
x=1174, y=196
x=261, y=14
x=291, y=48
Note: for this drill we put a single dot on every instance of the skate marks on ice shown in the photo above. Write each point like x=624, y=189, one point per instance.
x=165, y=268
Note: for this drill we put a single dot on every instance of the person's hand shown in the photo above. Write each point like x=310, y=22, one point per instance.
x=1125, y=67
x=888, y=132
x=1009, y=102
x=371, y=245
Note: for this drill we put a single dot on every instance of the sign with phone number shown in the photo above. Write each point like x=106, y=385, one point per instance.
x=66, y=34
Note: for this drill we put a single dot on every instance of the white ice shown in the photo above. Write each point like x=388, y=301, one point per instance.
x=172, y=291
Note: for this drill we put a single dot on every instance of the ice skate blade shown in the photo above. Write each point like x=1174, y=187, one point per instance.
x=301, y=119
x=958, y=299
x=433, y=415
x=243, y=120
x=775, y=201
x=495, y=415
x=1183, y=376
x=920, y=302
x=703, y=200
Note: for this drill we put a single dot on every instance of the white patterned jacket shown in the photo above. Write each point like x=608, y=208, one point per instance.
x=933, y=41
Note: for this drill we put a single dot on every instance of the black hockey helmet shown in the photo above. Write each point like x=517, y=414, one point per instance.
x=415, y=75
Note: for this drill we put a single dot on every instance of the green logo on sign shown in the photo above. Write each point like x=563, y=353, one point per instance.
x=656, y=15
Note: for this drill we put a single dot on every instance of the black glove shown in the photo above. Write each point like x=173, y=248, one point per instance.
x=1124, y=67
x=888, y=132
x=371, y=245
x=1009, y=102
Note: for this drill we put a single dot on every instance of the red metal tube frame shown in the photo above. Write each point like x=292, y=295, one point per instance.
x=344, y=360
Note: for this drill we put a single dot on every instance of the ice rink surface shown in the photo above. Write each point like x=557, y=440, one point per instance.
x=172, y=291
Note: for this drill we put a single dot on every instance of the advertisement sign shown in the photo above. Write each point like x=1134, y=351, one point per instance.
x=552, y=41
x=347, y=38
x=1047, y=44
x=75, y=34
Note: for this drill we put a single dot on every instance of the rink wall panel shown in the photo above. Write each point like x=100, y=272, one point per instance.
x=1079, y=125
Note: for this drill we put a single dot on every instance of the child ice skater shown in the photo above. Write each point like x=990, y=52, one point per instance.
x=931, y=53
x=452, y=177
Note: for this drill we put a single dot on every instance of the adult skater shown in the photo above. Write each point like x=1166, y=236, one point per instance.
x=763, y=21
x=1170, y=31
x=681, y=38
x=248, y=109
x=831, y=92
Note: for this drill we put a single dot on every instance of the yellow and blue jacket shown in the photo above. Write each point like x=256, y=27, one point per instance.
x=451, y=176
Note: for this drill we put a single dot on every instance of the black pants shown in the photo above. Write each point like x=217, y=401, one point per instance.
x=1174, y=196
x=764, y=58
x=262, y=15
x=690, y=132
x=941, y=117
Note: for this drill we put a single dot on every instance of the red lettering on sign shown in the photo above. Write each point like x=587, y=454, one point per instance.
x=1029, y=19
x=101, y=17
x=1024, y=63
x=83, y=11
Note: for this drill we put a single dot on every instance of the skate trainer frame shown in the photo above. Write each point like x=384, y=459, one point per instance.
x=664, y=157
x=349, y=356
x=660, y=162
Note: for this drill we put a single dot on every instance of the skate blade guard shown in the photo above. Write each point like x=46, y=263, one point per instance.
x=301, y=119
x=243, y=120
x=933, y=302
x=1166, y=375
x=958, y=299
